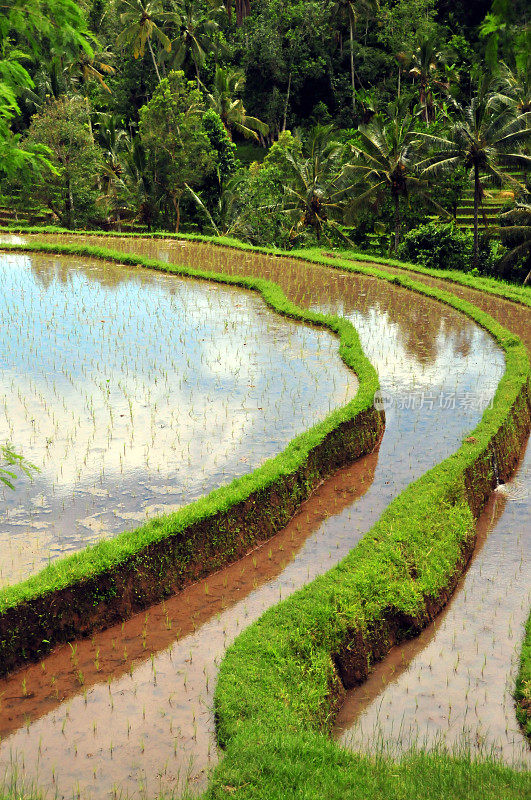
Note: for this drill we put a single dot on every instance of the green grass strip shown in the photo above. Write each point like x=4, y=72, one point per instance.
x=303, y=766
x=494, y=286
x=107, y=554
x=522, y=692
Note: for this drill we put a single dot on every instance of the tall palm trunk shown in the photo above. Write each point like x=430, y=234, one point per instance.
x=177, y=207
x=397, y=221
x=70, y=205
x=286, y=104
x=351, y=21
x=154, y=61
x=476, y=213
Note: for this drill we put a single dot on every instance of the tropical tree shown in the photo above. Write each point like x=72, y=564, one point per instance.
x=139, y=181
x=515, y=86
x=351, y=11
x=71, y=191
x=143, y=24
x=115, y=142
x=515, y=234
x=229, y=215
x=178, y=150
x=424, y=66
x=88, y=67
x=228, y=83
x=25, y=25
x=486, y=138
x=385, y=159
x=314, y=182
x=197, y=29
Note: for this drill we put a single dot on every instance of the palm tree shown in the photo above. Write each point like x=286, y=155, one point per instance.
x=515, y=234
x=142, y=26
x=229, y=214
x=138, y=181
x=385, y=159
x=93, y=67
x=197, y=31
x=114, y=142
x=485, y=138
x=228, y=83
x=315, y=182
x=87, y=68
x=515, y=86
x=352, y=10
x=424, y=63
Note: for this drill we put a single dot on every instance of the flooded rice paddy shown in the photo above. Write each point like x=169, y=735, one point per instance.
x=453, y=685
x=139, y=718
x=136, y=392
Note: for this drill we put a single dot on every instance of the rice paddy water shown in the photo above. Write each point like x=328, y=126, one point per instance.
x=141, y=719
x=135, y=392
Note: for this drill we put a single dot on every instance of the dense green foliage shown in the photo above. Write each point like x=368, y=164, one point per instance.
x=69, y=191
x=385, y=89
x=444, y=247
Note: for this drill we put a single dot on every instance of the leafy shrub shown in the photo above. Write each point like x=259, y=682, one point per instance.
x=439, y=247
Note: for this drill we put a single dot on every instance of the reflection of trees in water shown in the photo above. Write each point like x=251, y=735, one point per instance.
x=509, y=314
x=48, y=270
x=420, y=322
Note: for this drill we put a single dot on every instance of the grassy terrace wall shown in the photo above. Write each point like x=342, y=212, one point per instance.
x=112, y=580
x=523, y=684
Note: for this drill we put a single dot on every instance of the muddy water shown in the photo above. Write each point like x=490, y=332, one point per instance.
x=136, y=392
x=154, y=729
x=514, y=316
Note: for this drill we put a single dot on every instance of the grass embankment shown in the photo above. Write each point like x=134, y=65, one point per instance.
x=343, y=260
x=523, y=684
x=281, y=681
x=115, y=578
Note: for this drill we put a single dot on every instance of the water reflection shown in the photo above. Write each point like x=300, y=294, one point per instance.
x=135, y=392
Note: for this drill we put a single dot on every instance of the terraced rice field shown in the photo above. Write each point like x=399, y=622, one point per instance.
x=135, y=393
x=130, y=710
